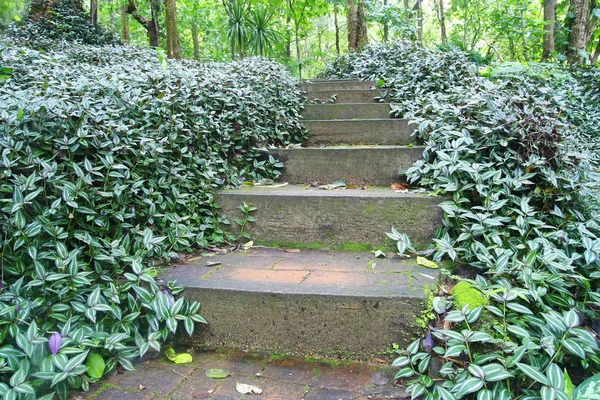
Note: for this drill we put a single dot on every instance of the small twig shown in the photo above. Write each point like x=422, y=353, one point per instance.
x=181, y=375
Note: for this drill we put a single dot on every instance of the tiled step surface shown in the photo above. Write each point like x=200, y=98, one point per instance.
x=344, y=96
x=360, y=165
x=305, y=302
x=386, y=131
x=347, y=111
x=335, y=85
x=300, y=214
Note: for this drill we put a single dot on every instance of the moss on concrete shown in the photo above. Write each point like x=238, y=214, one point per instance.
x=350, y=246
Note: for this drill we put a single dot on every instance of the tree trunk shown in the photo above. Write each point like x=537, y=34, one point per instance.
x=195, y=40
x=386, y=25
x=577, y=43
x=125, y=24
x=337, y=30
x=94, y=12
x=357, y=26
x=549, y=28
x=173, y=43
x=419, y=11
x=596, y=54
x=297, y=30
x=442, y=19
x=151, y=25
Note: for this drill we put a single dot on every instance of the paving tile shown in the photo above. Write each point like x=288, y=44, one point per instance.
x=353, y=378
x=281, y=390
x=329, y=394
x=119, y=394
x=354, y=279
x=292, y=370
x=196, y=386
x=156, y=376
x=227, y=388
x=255, y=275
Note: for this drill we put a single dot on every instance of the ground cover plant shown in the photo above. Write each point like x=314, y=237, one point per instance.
x=514, y=149
x=109, y=157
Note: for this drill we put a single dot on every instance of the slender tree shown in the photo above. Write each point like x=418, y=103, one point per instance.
x=151, y=25
x=125, y=24
x=173, y=43
x=357, y=25
x=419, y=13
x=441, y=16
x=94, y=12
x=549, y=28
x=578, y=34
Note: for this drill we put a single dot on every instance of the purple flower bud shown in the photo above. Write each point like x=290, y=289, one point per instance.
x=167, y=293
x=238, y=155
x=427, y=252
x=236, y=127
x=1, y=285
x=55, y=343
x=428, y=342
x=17, y=307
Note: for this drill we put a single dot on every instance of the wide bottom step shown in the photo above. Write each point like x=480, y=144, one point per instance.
x=306, y=302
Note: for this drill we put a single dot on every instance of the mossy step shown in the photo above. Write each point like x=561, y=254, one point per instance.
x=344, y=96
x=333, y=217
x=386, y=131
x=346, y=111
x=335, y=84
x=307, y=302
x=359, y=165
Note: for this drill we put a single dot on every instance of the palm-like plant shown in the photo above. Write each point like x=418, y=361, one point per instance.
x=237, y=31
x=262, y=32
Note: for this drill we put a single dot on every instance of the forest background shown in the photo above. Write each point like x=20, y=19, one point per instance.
x=305, y=35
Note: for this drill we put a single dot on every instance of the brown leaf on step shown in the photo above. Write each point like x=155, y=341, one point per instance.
x=399, y=186
x=351, y=186
x=447, y=325
x=292, y=250
x=142, y=387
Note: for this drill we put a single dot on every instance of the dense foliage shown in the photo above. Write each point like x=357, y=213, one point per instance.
x=109, y=157
x=514, y=153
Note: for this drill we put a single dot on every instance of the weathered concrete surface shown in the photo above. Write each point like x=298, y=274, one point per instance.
x=335, y=85
x=344, y=96
x=308, y=302
x=280, y=378
x=387, y=131
x=309, y=215
x=377, y=166
x=346, y=111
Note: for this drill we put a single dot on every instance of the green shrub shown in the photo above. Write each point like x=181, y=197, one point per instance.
x=511, y=151
x=108, y=161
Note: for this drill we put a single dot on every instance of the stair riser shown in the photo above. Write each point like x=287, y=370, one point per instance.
x=343, y=96
x=378, y=166
x=336, y=85
x=391, y=131
x=307, y=325
x=346, y=111
x=334, y=220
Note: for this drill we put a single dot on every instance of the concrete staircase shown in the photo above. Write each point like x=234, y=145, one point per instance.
x=323, y=302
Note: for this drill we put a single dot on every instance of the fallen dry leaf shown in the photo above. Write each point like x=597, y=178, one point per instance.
x=292, y=250
x=399, y=186
x=142, y=387
x=247, y=389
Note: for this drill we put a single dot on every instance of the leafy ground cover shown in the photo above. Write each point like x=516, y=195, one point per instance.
x=109, y=157
x=515, y=150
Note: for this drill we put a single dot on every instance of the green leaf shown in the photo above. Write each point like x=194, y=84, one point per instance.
x=533, y=373
x=217, y=373
x=181, y=358
x=423, y=262
x=95, y=365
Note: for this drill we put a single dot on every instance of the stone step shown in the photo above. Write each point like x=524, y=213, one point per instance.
x=335, y=84
x=297, y=214
x=344, y=96
x=359, y=165
x=346, y=111
x=387, y=131
x=310, y=303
